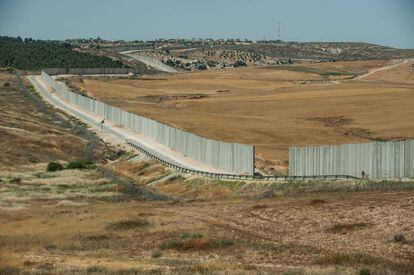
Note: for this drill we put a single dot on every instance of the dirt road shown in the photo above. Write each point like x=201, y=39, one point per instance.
x=388, y=67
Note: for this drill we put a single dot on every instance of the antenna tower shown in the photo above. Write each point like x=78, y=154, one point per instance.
x=278, y=31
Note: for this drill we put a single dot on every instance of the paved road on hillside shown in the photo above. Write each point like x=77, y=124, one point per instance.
x=156, y=64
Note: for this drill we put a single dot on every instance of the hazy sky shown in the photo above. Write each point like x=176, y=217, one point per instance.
x=385, y=22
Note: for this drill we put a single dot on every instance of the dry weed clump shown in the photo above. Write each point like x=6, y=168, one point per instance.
x=10, y=270
x=97, y=269
x=97, y=237
x=317, y=201
x=363, y=259
x=156, y=254
x=136, y=168
x=399, y=238
x=343, y=228
x=195, y=242
x=199, y=269
x=350, y=259
x=259, y=206
x=16, y=180
x=189, y=244
x=128, y=224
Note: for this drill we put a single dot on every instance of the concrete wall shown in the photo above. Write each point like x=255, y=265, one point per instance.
x=379, y=160
x=230, y=157
x=81, y=71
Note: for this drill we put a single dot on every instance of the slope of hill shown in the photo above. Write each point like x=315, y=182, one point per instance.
x=326, y=50
x=193, y=56
x=33, y=133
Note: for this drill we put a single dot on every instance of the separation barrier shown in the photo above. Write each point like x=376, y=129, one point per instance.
x=378, y=160
x=233, y=158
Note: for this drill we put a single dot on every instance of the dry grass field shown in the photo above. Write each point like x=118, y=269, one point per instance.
x=92, y=221
x=134, y=217
x=274, y=107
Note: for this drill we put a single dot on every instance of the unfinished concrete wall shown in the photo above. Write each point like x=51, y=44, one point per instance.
x=379, y=160
x=230, y=157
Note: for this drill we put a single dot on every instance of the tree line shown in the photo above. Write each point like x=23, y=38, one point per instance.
x=31, y=54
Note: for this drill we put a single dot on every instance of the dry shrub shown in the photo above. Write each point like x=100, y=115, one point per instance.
x=259, y=206
x=364, y=259
x=191, y=235
x=343, y=228
x=96, y=269
x=188, y=244
x=317, y=201
x=133, y=167
x=128, y=224
x=28, y=263
x=50, y=247
x=141, y=172
x=16, y=180
x=156, y=254
x=350, y=259
x=97, y=237
x=10, y=270
x=198, y=268
x=399, y=238
x=195, y=244
x=152, y=170
x=249, y=267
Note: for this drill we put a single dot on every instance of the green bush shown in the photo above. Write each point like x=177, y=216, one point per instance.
x=364, y=272
x=80, y=164
x=16, y=180
x=239, y=63
x=54, y=166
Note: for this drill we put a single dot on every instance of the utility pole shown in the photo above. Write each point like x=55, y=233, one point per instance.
x=278, y=31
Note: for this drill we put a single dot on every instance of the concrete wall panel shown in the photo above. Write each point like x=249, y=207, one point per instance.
x=379, y=160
